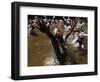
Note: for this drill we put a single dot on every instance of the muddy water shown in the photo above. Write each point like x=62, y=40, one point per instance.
x=40, y=52
x=39, y=49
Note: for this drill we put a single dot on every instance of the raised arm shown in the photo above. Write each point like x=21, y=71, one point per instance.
x=71, y=29
x=43, y=27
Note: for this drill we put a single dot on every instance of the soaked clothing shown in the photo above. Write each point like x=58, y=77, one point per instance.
x=78, y=42
x=59, y=48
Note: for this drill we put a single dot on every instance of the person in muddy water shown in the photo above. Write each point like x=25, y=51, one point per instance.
x=55, y=31
x=78, y=40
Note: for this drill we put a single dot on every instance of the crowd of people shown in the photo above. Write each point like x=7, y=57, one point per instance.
x=58, y=29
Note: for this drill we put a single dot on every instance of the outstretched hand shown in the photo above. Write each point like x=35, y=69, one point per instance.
x=42, y=26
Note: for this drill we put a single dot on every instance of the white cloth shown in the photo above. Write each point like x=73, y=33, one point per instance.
x=79, y=25
x=66, y=28
x=55, y=30
x=68, y=20
x=54, y=58
x=76, y=44
x=82, y=34
x=64, y=37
